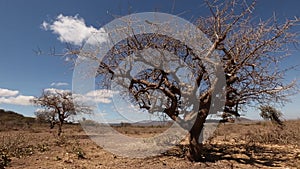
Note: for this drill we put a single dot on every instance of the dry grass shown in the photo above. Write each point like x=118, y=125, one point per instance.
x=289, y=134
x=141, y=131
x=261, y=132
x=249, y=145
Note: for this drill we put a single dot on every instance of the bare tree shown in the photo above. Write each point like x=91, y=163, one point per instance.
x=57, y=106
x=250, y=52
x=46, y=116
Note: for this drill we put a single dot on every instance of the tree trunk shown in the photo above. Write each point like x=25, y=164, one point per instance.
x=52, y=123
x=59, y=129
x=61, y=121
x=196, y=146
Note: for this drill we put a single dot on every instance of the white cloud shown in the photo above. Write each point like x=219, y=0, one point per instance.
x=18, y=100
x=54, y=90
x=12, y=97
x=72, y=29
x=96, y=96
x=100, y=96
x=45, y=25
x=57, y=84
x=7, y=92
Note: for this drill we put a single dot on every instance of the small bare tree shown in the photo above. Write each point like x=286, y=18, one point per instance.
x=46, y=116
x=57, y=106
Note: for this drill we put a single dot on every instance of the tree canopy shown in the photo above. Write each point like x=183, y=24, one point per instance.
x=245, y=54
x=58, y=105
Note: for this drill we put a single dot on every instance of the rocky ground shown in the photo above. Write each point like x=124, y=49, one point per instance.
x=249, y=145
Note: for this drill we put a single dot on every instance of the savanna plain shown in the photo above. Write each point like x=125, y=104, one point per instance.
x=28, y=144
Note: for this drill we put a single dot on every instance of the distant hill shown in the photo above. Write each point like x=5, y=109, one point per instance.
x=143, y=123
x=14, y=118
x=243, y=120
x=152, y=123
x=149, y=123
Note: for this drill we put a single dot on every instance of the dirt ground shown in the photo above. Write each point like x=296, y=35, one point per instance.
x=232, y=146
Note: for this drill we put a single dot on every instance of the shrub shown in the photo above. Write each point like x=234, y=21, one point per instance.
x=4, y=160
x=270, y=113
x=270, y=134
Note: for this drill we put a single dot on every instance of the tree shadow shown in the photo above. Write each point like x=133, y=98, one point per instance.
x=80, y=136
x=253, y=154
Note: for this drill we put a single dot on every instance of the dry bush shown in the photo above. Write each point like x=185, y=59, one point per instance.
x=12, y=125
x=4, y=160
x=269, y=133
x=16, y=145
x=71, y=145
x=60, y=140
x=13, y=146
x=76, y=149
x=20, y=144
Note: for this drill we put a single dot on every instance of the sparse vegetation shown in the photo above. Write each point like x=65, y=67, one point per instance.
x=10, y=120
x=241, y=145
x=272, y=134
x=16, y=145
x=247, y=144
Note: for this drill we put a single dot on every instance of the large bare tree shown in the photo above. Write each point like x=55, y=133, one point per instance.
x=250, y=53
x=58, y=105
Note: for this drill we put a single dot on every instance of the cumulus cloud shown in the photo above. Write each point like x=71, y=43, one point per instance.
x=7, y=93
x=18, y=100
x=96, y=96
x=72, y=29
x=54, y=90
x=57, y=84
x=12, y=97
x=100, y=96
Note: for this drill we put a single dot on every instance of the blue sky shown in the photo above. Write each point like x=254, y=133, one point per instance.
x=25, y=74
